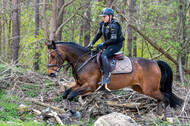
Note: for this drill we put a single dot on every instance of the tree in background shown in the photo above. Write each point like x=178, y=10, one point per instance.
x=109, y=3
x=15, y=31
x=182, y=38
x=60, y=20
x=87, y=25
x=130, y=36
x=37, y=25
x=54, y=26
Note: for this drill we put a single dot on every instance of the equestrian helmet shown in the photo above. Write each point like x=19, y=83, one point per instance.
x=107, y=11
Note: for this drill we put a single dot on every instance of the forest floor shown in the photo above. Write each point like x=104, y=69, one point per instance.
x=30, y=89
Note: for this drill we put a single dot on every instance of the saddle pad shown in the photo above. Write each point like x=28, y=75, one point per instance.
x=123, y=66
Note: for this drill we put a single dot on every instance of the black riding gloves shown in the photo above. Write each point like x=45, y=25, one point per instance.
x=100, y=46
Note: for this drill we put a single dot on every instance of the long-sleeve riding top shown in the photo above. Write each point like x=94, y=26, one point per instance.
x=111, y=32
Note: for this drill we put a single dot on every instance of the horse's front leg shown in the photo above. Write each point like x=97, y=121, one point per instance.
x=68, y=91
x=84, y=89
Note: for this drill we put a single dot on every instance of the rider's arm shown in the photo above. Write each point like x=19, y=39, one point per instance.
x=114, y=34
x=98, y=35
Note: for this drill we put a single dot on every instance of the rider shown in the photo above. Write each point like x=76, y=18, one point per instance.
x=113, y=40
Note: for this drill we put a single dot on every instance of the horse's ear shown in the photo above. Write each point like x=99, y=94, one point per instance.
x=53, y=44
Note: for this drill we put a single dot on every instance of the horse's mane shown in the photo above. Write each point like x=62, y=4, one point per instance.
x=74, y=45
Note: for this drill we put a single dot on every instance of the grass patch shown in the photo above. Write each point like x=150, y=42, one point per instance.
x=27, y=123
x=58, y=98
x=8, y=112
x=31, y=90
x=2, y=67
x=7, y=109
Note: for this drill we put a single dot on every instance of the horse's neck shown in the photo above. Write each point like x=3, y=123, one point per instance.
x=74, y=56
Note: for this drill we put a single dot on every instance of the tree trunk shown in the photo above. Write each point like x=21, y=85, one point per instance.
x=60, y=20
x=135, y=46
x=129, y=28
x=109, y=3
x=15, y=30
x=53, y=22
x=44, y=23
x=37, y=18
x=182, y=56
x=37, y=21
x=87, y=26
x=2, y=44
x=81, y=32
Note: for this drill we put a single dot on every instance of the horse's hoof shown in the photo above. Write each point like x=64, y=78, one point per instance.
x=64, y=97
x=160, y=117
x=70, y=99
x=170, y=120
x=68, y=112
x=77, y=114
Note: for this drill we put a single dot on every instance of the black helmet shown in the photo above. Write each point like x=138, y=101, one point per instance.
x=107, y=11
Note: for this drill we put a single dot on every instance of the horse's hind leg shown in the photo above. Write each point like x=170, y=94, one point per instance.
x=168, y=110
x=165, y=98
x=159, y=108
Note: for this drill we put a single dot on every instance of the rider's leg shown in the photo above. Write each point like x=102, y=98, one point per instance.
x=105, y=65
x=110, y=50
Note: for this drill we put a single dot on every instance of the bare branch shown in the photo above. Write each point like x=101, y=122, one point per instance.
x=48, y=105
x=84, y=18
x=59, y=28
x=62, y=8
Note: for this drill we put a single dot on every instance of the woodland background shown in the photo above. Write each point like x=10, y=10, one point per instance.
x=153, y=29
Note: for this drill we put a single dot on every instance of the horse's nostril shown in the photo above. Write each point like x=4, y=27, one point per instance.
x=51, y=75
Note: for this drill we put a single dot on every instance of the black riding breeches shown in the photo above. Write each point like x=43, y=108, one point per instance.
x=111, y=49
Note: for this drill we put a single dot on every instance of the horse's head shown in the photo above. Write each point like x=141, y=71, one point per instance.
x=55, y=59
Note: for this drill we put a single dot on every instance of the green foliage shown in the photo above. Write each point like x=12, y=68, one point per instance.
x=58, y=98
x=165, y=123
x=31, y=90
x=20, y=123
x=7, y=109
x=2, y=67
x=8, y=112
x=90, y=122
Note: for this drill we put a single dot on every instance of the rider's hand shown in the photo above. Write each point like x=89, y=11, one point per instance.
x=100, y=47
x=90, y=46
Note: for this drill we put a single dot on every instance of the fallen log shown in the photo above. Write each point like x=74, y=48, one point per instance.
x=131, y=105
x=50, y=106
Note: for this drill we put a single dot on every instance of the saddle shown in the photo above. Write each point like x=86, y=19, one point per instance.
x=118, y=63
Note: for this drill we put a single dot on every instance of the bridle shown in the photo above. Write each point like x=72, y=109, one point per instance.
x=59, y=58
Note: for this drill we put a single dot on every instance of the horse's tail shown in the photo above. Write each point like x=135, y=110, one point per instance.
x=166, y=84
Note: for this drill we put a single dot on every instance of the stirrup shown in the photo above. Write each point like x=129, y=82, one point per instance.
x=104, y=81
x=103, y=86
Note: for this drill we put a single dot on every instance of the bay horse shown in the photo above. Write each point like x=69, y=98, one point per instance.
x=152, y=78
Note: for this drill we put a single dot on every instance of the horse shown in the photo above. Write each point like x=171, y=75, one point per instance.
x=149, y=77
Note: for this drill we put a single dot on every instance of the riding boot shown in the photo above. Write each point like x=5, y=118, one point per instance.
x=105, y=65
